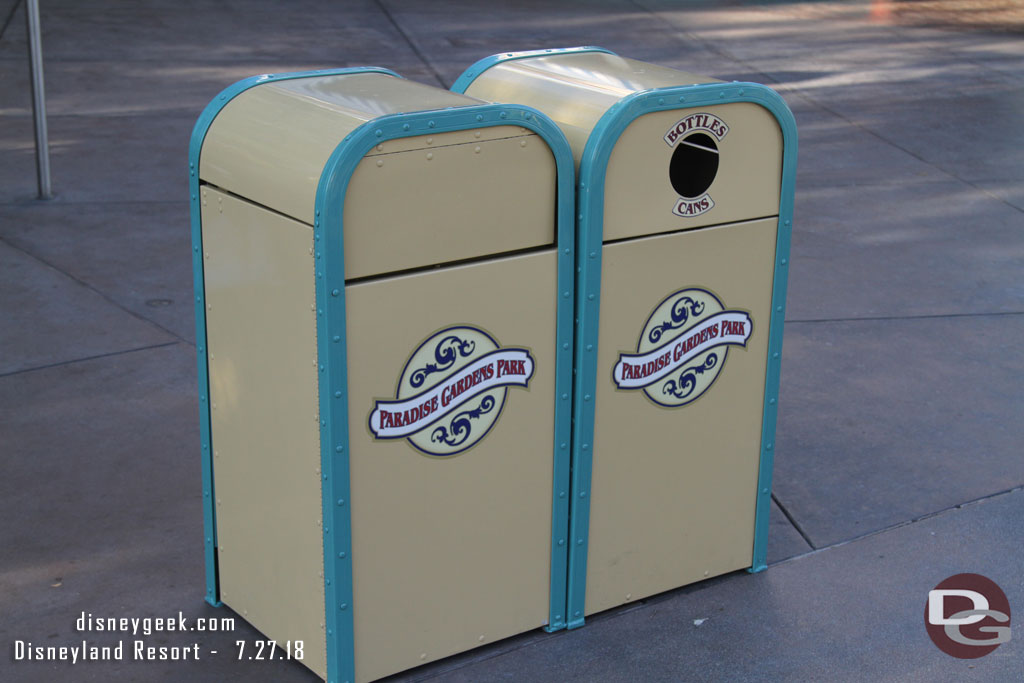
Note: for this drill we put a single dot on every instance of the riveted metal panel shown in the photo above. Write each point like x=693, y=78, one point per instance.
x=261, y=333
x=455, y=551
x=673, y=488
x=270, y=142
x=449, y=199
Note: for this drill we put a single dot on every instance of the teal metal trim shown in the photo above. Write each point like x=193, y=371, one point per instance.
x=590, y=202
x=195, y=150
x=331, y=347
x=470, y=74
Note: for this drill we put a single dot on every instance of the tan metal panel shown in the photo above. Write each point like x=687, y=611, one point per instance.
x=449, y=553
x=674, y=489
x=447, y=202
x=271, y=142
x=575, y=89
x=640, y=198
x=261, y=337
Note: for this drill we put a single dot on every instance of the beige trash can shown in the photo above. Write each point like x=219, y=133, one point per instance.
x=384, y=290
x=685, y=199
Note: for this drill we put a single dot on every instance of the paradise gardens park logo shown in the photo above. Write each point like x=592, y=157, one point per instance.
x=451, y=391
x=682, y=348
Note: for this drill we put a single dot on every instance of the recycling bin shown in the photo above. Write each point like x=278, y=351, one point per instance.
x=384, y=291
x=684, y=209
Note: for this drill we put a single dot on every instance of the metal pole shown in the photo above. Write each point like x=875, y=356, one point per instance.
x=35, y=54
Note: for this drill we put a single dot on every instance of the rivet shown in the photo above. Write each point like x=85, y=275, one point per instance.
x=337, y=394
x=197, y=299
x=323, y=423
x=405, y=126
x=583, y=494
x=784, y=261
x=325, y=477
x=566, y=250
x=343, y=605
x=768, y=447
x=565, y=294
x=629, y=596
x=430, y=140
x=503, y=115
x=342, y=554
x=529, y=116
x=682, y=98
x=481, y=639
x=775, y=355
x=590, y=297
x=771, y=401
x=341, y=502
x=328, y=583
x=378, y=132
x=335, y=292
x=423, y=656
x=721, y=94
x=477, y=133
x=576, y=613
x=379, y=163
x=741, y=91
x=590, y=347
x=339, y=449
x=479, y=117
x=321, y=368
x=586, y=446
x=563, y=446
x=786, y=221
x=565, y=396
x=522, y=143
x=476, y=150
x=336, y=338
x=565, y=345
x=764, y=490
x=661, y=100
x=380, y=148
x=778, y=308
x=579, y=541
x=586, y=397
x=593, y=254
x=430, y=155
x=431, y=124
x=329, y=630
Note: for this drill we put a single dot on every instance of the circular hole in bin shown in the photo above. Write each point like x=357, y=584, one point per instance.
x=694, y=165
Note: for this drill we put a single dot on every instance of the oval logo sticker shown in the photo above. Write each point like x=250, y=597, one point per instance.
x=682, y=348
x=451, y=391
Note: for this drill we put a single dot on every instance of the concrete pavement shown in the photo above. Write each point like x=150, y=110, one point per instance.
x=899, y=459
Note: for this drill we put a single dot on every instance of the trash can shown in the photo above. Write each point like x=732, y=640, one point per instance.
x=384, y=291
x=684, y=209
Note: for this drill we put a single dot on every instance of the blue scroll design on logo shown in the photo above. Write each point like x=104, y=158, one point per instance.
x=688, y=378
x=461, y=425
x=682, y=309
x=445, y=355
